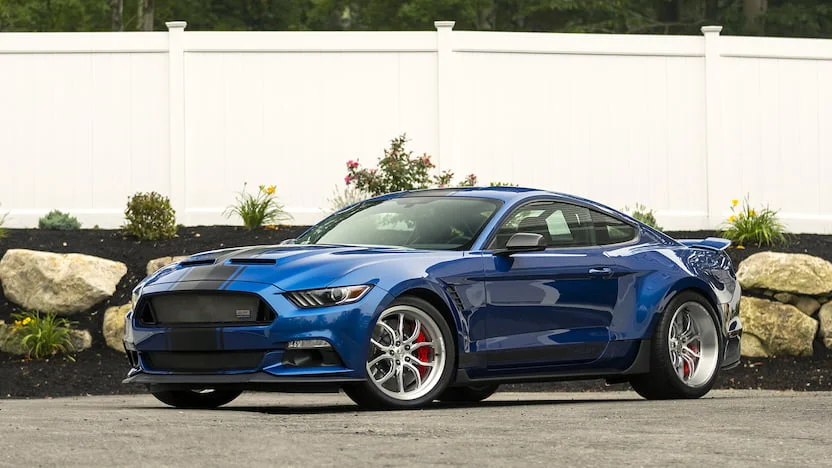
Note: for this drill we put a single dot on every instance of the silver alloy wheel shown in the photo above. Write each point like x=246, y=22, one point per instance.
x=693, y=345
x=407, y=353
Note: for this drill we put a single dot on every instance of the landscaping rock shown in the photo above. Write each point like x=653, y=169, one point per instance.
x=114, y=326
x=751, y=346
x=825, y=318
x=807, y=305
x=785, y=298
x=781, y=329
x=80, y=340
x=157, y=263
x=60, y=283
x=796, y=273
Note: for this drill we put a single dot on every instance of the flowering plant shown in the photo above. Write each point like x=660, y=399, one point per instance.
x=398, y=170
x=747, y=225
x=259, y=209
x=42, y=336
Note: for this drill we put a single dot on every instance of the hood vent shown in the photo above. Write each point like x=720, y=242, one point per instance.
x=190, y=263
x=253, y=261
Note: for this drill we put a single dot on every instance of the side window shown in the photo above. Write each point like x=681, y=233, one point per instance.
x=561, y=224
x=609, y=230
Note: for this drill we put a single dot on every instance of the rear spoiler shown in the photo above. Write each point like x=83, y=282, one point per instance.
x=711, y=243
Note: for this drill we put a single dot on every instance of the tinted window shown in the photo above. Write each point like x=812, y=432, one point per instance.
x=563, y=225
x=609, y=230
x=435, y=223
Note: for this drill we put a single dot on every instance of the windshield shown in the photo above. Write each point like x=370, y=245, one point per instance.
x=430, y=223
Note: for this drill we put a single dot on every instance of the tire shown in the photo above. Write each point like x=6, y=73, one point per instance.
x=408, y=334
x=468, y=394
x=196, y=399
x=687, y=327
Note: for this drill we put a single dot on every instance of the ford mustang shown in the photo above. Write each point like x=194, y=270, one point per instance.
x=441, y=294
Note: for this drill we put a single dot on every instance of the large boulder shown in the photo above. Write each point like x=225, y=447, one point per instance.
x=79, y=340
x=807, y=305
x=795, y=273
x=782, y=329
x=114, y=326
x=751, y=346
x=60, y=283
x=157, y=263
x=825, y=317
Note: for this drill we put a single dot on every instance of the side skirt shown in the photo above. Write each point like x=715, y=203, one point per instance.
x=640, y=365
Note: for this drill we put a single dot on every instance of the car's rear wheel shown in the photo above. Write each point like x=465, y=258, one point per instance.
x=196, y=399
x=685, y=354
x=410, y=359
x=469, y=393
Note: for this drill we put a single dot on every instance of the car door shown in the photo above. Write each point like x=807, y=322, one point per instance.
x=551, y=307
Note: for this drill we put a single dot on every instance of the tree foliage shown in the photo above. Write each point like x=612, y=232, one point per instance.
x=801, y=18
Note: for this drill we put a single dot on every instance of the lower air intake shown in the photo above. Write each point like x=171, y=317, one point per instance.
x=202, y=361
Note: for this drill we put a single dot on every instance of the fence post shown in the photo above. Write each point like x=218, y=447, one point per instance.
x=176, y=107
x=715, y=177
x=444, y=88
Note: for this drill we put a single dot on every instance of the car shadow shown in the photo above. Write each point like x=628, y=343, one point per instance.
x=352, y=408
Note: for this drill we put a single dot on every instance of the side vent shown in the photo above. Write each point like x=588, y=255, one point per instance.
x=190, y=263
x=455, y=298
x=253, y=261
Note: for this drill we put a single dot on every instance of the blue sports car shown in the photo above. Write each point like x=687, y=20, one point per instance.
x=441, y=294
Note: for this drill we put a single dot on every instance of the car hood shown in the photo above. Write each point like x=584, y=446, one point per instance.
x=298, y=267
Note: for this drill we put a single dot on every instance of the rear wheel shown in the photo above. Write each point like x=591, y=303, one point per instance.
x=410, y=359
x=468, y=394
x=196, y=399
x=685, y=354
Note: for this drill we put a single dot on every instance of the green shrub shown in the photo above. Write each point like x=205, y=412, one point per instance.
x=502, y=184
x=42, y=336
x=59, y=221
x=258, y=210
x=748, y=226
x=150, y=217
x=643, y=214
x=398, y=170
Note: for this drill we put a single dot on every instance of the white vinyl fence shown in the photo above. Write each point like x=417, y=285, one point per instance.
x=680, y=124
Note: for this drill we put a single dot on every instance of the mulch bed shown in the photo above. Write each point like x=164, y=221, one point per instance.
x=99, y=371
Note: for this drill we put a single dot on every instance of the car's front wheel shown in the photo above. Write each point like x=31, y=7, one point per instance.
x=196, y=399
x=686, y=350
x=410, y=359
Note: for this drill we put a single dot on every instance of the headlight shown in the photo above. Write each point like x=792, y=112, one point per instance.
x=328, y=297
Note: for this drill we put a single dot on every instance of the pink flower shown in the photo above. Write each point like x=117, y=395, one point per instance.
x=352, y=164
x=348, y=179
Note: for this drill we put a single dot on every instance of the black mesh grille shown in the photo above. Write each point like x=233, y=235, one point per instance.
x=189, y=309
x=456, y=299
x=202, y=361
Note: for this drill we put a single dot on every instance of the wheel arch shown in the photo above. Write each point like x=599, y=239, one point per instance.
x=697, y=286
x=437, y=301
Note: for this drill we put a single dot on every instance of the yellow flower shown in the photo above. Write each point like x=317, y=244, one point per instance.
x=270, y=190
x=740, y=247
x=27, y=321
x=734, y=202
x=18, y=324
x=732, y=219
x=752, y=213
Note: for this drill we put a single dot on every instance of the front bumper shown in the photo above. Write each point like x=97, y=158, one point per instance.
x=252, y=355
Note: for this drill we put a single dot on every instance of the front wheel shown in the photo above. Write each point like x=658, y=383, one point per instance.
x=410, y=359
x=685, y=354
x=196, y=399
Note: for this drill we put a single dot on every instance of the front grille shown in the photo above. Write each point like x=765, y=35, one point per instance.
x=201, y=308
x=202, y=361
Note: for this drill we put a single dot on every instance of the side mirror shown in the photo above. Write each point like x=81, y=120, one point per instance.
x=523, y=242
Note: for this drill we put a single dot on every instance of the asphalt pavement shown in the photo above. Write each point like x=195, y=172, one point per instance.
x=726, y=428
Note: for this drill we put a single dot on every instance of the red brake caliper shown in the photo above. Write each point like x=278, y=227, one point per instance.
x=422, y=354
x=687, y=370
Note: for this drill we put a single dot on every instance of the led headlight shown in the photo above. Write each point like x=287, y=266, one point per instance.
x=328, y=296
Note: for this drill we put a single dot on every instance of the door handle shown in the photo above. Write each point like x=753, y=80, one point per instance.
x=602, y=271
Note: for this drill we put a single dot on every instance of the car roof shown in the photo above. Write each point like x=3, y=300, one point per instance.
x=503, y=193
